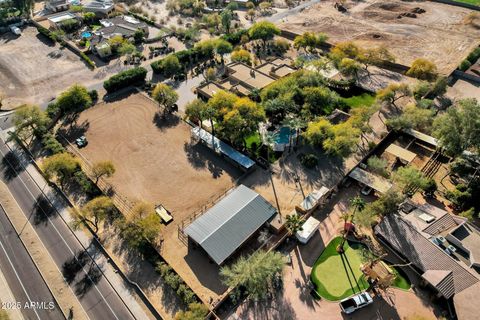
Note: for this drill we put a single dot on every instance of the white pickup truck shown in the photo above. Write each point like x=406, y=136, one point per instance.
x=353, y=303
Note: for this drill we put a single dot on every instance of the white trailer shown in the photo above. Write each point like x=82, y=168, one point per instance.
x=308, y=230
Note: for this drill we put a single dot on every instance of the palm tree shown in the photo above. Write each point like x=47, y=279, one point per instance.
x=268, y=140
x=358, y=204
x=296, y=124
x=294, y=223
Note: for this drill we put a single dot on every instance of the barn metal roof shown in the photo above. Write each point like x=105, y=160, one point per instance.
x=227, y=225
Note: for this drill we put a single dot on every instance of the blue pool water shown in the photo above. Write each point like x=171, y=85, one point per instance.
x=282, y=135
x=86, y=34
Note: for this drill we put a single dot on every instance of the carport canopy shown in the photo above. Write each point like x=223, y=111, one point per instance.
x=373, y=181
x=401, y=153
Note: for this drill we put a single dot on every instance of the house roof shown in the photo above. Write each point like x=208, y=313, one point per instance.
x=469, y=236
x=227, y=225
x=465, y=308
x=249, y=76
x=426, y=256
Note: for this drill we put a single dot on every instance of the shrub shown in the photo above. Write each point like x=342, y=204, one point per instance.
x=464, y=65
x=51, y=144
x=125, y=79
x=173, y=280
x=474, y=55
x=163, y=268
x=89, y=61
x=52, y=110
x=309, y=160
x=93, y=95
x=84, y=182
x=235, y=38
x=142, y=18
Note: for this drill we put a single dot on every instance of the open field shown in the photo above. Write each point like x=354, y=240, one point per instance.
x=439, y=34
x=156, y=161
x=154, y=157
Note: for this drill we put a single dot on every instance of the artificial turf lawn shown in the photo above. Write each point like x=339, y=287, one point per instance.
x=335, y=278
x=364, y=99
x=474, y=2
x=334, y=275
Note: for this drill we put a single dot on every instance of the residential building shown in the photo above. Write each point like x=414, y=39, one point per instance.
x=57, y=5
x=101, y=7
x=442, y=248
x=242, y=79
x=56, y=20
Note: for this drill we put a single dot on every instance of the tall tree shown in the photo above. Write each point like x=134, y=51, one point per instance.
x=393, y=92
x=95, y=211
x=227, y=17
x=409, y=177
x=29, y=120
x=423, y=69
x=293, y=223
x=263, y=30
x=195, y=111
x=103, y=168
x=165, y=96
x=256, y=274
x=458, y=128
x=61, y=166
x=413, y=117
x=74, y=99
x=171, y=66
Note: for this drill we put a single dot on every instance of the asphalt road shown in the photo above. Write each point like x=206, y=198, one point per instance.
x=94, y=292
x=23, y=277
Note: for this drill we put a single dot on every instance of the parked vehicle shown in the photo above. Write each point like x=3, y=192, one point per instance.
x=81, y=142
x=15, y=30
x=353, y=303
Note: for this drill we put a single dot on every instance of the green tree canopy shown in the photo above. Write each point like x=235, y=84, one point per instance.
x=409, y=177
x=309, y=41
x=29, y=120
x=263, y=30
x=196, y=311
x=241, y=55
x=61, y=166
x=165, y=96
x=458, y=128
x=171, y=66
x=256, y=273
x=96, y=210
x=423, y=69
x=74, y=99
x=103, y=168
x=413, y=117
x=294, y=223
x=393, y=92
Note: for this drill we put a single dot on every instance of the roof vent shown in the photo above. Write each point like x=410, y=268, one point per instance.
x=426, y=217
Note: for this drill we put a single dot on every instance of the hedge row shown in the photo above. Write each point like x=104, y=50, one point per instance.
x=174, y=281
x=46, y=33
x=184, y=57
x=142, y=18
x=470, y=60
x=88, y=60
x=125, y=78
x=236, y=37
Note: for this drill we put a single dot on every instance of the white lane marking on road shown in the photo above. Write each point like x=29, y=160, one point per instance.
x=63, y=239
x=18, y=277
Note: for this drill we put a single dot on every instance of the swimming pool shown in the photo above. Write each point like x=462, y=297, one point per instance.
x=86, y=34
x=282, y=135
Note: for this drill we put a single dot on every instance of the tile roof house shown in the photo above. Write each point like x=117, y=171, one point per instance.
x=223, y=229
x=441, y=248
x=242, y=79
x=57, y=5
x=124, y=26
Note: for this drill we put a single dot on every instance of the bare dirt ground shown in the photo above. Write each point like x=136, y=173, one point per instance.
x=30, y=72
x=156, y=161
x=440, y=34
x=34, y=70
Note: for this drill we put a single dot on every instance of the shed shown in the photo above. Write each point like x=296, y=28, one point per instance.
x=373, y=181
x=227, y=225
x=312, y=200
x=401, y=153
x=308, y=230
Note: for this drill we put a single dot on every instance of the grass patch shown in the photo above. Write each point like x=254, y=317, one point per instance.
x=365, y=99
x=474, y=2
x=254, y=138
x=401, y=280
x=338, y=276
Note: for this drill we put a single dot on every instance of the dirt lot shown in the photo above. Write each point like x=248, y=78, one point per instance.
x=439, y=34
x=154, y=158
x=30, y=71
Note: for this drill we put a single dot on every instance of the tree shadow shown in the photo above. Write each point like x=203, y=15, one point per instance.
x=43, y=210
x=12, y=166
x=91, y=278
x=200, y=157
x=72, y=267
x=165, y=120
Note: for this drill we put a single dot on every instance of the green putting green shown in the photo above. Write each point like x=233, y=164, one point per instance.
x=338, y=276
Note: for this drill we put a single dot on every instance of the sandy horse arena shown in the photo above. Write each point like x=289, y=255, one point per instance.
x=154, y=158
x=442, y=33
